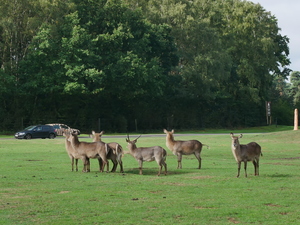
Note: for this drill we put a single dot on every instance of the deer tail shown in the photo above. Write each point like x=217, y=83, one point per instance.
x=206, y=146
x=106, y=148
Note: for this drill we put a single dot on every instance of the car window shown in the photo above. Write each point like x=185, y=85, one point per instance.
x=39, y=128
x=65, y=127
x=29, y=128
x=46, y=128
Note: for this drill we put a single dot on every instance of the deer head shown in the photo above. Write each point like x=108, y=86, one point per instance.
x=235, y=140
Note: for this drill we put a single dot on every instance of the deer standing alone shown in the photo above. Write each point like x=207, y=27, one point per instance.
x=245, y=153
x=148, y=154
x=115, y=154
x=94, y=150
x=180, y=148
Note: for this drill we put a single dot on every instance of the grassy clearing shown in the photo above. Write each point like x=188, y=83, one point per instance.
x=38, y=187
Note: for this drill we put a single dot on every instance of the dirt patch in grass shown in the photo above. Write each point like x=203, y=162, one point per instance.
x=273, y=205
x=233, y=220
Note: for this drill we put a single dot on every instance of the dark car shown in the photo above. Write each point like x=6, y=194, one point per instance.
x=61, y=128
x=36, y=131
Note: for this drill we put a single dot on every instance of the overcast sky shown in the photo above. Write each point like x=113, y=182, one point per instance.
x=287, y=13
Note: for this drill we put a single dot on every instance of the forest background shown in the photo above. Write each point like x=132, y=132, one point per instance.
x=143, y=65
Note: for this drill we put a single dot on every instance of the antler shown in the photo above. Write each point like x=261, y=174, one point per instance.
x=127, y=139
x=137, y=138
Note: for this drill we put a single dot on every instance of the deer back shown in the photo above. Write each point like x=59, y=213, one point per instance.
x=90, y=149
x=250, y=151
x=187, y=147
x=150, y=153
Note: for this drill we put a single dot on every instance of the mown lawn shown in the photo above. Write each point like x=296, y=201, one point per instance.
x=38, y=187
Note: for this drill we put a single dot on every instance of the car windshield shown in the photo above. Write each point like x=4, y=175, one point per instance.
x=30, y=128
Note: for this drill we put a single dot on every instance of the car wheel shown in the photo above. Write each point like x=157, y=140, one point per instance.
x=51, y=136
x=28, y=136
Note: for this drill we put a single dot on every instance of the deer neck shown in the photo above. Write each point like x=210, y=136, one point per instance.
x=132, y=148
x=236, y=149
x=170, y=141
x=75, y=142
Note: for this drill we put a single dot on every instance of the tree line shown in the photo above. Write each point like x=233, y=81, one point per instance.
x=126, y=65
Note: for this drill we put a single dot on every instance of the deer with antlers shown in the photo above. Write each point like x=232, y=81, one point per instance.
x=245, y=153
x=148, y=154
x=180, y=148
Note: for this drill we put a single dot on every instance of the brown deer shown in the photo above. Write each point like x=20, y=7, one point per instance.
x=94, y=150
x=115, y=154
x=73, y=155
x=180, y=148
x=148, y=154
x=245, y=153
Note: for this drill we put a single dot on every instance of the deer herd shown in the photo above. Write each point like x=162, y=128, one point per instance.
x=113, y=151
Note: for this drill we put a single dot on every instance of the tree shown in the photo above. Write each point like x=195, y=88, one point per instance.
x=294, y=90
x=113, y=58
x=229, y=50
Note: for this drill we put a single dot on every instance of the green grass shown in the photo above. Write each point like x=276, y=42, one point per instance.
x=38, y=187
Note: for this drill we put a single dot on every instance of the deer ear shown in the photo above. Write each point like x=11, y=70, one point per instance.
x=172, y=131
x=241, y=136
x=93, y=132
x=165, y=131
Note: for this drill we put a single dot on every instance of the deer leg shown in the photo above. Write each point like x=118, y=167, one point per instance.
x=100, y=164
x=159, y=170
x=257, y=166
x=245, y=168
x=85, y=162
x=239, y=169
x=255, y=163
x=107, y=167
x=119, y=160
x=115, y=162
x=164, y=164
x=88, y=167
x=76, y=163
x=197, y=154
x=121, y=166
x=103, y=166
x=141, y=167
x=72, y=162
x=179, y=158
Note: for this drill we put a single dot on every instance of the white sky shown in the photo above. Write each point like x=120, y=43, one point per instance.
x=287, y=13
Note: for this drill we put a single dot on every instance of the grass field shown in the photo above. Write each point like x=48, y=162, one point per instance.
x=38, y=187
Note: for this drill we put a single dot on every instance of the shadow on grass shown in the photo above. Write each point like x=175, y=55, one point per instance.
x=154, y=172
x=278, y=175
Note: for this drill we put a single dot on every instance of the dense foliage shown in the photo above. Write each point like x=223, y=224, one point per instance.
x=126, y=65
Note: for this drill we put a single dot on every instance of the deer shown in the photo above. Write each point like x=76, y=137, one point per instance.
x=71, y=152
x=89, y=150
x=180, y=148
x=115, y=154
x=245, y=153
x=148, y=154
